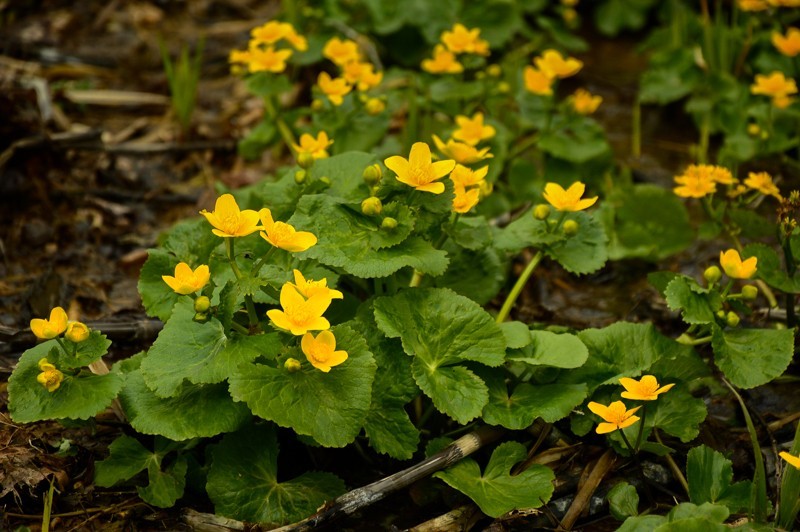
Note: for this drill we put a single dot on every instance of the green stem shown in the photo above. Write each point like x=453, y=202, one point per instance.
x=523, y=279
x=628, y=444
x=685, y=339
x=248, y=299
x=416, y=279
x=286, y=133
x=641, y=427
x=263, y=260
x=523, y=146
x=791, y=268
x=63, y=347
x=236, y=327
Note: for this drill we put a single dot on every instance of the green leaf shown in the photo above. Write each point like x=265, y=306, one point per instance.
x=243, y=481
x=496, y=491
x=645, y=523
x=576, y=139
x=267, y=84
x=524, y=232
x=446, y=89
x=584, y=252
x=165, y=487
x=157, y=298
x=499, y=20
x=356, y=243
x=551, y=402
x=623, y=501
x=752, y=357
x=679, y=414
x=472, y=233
x=345, y=173
x=697, y=304
x=127, y=457
x=80, y=396
x=199, y=352
x=478, y=275
x=551, y=349
x=673, y=77
x=613, y=16
x=441, y=329
x=516, y=333
x=710, y=477
x=86, y=352
x=770, y=268
x=257, y=140
x=329, y=407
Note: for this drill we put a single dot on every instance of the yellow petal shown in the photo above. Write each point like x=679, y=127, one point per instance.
x=435, y=188
x=397, y=164
x=278, y=317
x=605, y=428
x=442, y=168
x=301, y=241
x=420, y=154
x=327, y=338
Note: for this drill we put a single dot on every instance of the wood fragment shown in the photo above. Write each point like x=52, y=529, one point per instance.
x=115, y=98
x=456, y=520
x=584, y=495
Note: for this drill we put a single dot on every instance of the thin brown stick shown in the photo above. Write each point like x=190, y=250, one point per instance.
x=584, y=495
x=453, y=521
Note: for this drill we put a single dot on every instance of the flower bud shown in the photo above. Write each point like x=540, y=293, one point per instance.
x=371, y=206
x=732, y=319
x=325, y=180
x=76, y=332
x=721, y=314
x=317, y=105
x=749, y=291
x=570, y=227
x=305, y=160
x=375, y=106
x=200, y=317
x=363, y=98
x=541, y=211
x=503, y=87
x=292, y=365
x=712, y=274
x=300, y=177
x=388, y=223
x=372, y=174
x=753, y=129
x=202, y=304
x=494, y=70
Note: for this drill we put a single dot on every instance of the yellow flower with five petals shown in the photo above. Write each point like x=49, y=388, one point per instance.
x=321, y=351
x=187, y=281
x=341, y=51
x=300, y=315
x=283, y=235
x=443, y=62
x=615, y=416
x=762, y=182
x=472, y=130
x=568, y=200
x=645, y=389
x=461, y=152
x=461, y=40
x=50, y=377
x=48, y=329
x=419, y=170
x=334, y=88
x=735, y=267
x=317, y=146
x=789, y=44
x=553, y=64
x=309, y=288
x=537, y=81
x=228, y=221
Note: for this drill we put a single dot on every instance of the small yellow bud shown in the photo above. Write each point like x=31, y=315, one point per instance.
x=753, y=129
x=325, y=180
x=200, y=317
x=732, y=319
x=503, y=87
x=305, y=160
x=76, y=332
x=300, y=177
x=372, y=174
x=721, y=314
x=389, y=223
x=375, y=106
x=202, y=304
x=569, y=15
x=371, y=206
x=570, y=227
x=494, y=70
x=541, y=211
x=764, y=135
x=317, y=105
x=363, y=98
x=749, y=291
x=292, y=365
x=712, y=274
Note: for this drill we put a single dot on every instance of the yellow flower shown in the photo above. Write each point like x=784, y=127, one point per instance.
x=472, y=130
x=465, y=177
x=699, y=180
x=762, y=182
x=782, y=102
x=240, y=57
x=775, y=85
x=361, y=74
x=443, y=62
x=735, y=267
x=567, y=200
x=316, y=147
x=538, y=82
x=552, y=63
x=229, y=221
x=788, y=44
x=465, y=199
x=645, y=389
x=297, y=41
x=284, y=236
x=47, y=329
x=49, y=377
x=791, y=459
x=76, y=332
x=375, y=106
x=321, y=351
x=419, y=171
x=270, y=33
x=334, y=88
x=309, y=288
x=585, y=103
x=461, y=40
x=186, y=281
x=268, y=60
x=753, y=5
x=300, y=315
x=341, y=51
x=460, y=152
x=615, y=416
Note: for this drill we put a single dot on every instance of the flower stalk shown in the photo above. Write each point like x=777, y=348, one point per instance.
x=523, y=279
x=248, y=299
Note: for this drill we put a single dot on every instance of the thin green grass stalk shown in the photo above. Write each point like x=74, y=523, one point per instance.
x=183, y=76
x=48, y=506
x=523, y=279
x=789, y=500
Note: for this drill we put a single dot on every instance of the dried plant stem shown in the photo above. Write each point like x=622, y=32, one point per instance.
x=584, y=495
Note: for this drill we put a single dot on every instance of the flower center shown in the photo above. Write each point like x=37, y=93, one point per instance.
x=300, y=314
x=419, y=175
x=319, y=352
x=281, y=232
x=230, y=223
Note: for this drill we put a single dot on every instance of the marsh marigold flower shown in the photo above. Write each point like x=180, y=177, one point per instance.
x=645, y=389
x=537, y=81
x=269, y=33
x=567, y=200
x=460, y=40
x=341, y=51
x=321, y=351
x=753, y=5
x=472, y=130
x=419, y=171
x=268, y=60
x=791, y=459
x=699, y=180
x=362, y=75
x=584, y=102
x=334, y=88
x=789, y=44
x=443, y=62
x=552, y=63
x=49, y=377
x=735, y=267
x=76, y=332
x=309, y=288
x=317, y=146
x=283, y=235
x=461, y=152
x=775, y=85
x=465, y=199
x=466, y=177
x=48, y=329
x=228, y=221
x=300, y=315
x=615, y=416
x=762, y=182
x=185, y=281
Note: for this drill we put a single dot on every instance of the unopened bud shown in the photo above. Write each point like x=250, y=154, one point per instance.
x=200, y=316
x=721, y=314
x=292, y=365
x=541, y=211
x=712, y=274
x=494, y=70
x=375, y=106
x=325, y=180
x=300, y=177
x=202, y=304
x=749, y=291
x=388, y=223
x=753, y=129
x=317, y=105
x=732, y=319
x=571, y=227
x=503, y=87
x=305, y=160
x=371, y=206
x=363, y=98
x=76, y=332
x=372, y=174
